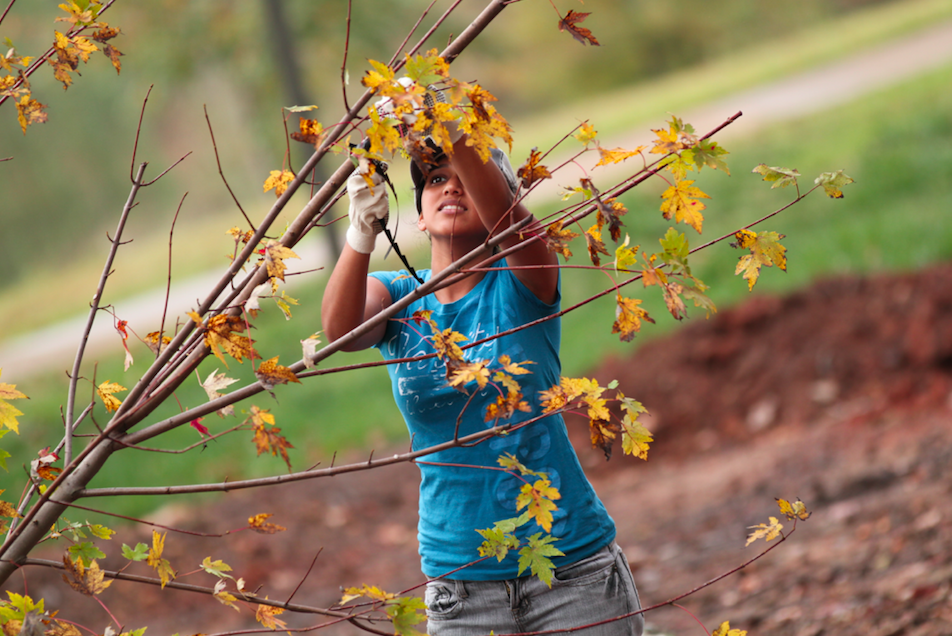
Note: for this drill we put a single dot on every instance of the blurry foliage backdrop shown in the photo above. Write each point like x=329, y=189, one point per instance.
x=69, y=177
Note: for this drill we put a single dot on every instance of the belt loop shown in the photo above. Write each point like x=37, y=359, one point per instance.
x=460, y=589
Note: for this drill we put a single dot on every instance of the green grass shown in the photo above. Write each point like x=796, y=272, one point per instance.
x=896, y=144
x=53, y=290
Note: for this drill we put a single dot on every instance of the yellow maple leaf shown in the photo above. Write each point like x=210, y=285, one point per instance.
x=270, y=374
x=481, y=122
x=766, y=531
x=616, y=155
x=586, y=133
x=793, y=511
x=466, y=372
x=9, y=413
x=553, y=399
x=445, y=344
x=274, y=255
x=105, y=392
x=635, y=438
x=223, y=334
x=667, y=141
x=224, y=597
x=725, y=630
x=278, y=181
x=625, y=257
x=370, y=591
x=379, y=75
x=30, y=111
x=266, y=616
x=154, y=560
x=88, y=581
x=681, y=203
x=765, y=251
x=628, y=317
x=539, y=498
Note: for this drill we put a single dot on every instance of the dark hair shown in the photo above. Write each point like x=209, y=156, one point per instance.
x=418, y=175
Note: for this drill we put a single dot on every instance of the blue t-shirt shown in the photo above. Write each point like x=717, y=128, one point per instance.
x=456, y=501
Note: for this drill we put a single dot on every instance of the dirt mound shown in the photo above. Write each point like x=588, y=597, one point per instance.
x=856, y=346
x=840, y=394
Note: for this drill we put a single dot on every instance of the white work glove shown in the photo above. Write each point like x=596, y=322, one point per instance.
x=369, y=210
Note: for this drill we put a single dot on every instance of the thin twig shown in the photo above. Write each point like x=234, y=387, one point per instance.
x=175, y=585
x=135, y=144
x=306, y=574
x=7, y=10
x=94, y=307
x=168, y=280
x=222, y=173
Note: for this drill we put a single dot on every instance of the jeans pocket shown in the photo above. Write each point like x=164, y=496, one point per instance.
x=442, y=601
x=597, y=567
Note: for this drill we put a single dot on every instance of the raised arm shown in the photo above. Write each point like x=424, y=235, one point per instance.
x=351, y=297
x=490, y=191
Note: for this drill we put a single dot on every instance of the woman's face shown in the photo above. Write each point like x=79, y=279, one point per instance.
x=447, y=210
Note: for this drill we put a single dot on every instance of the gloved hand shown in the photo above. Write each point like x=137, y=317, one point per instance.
x=369, y=209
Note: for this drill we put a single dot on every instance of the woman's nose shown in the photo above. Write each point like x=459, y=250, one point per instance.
x=453, y=186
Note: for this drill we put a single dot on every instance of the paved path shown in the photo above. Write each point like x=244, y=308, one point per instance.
x=794, y=96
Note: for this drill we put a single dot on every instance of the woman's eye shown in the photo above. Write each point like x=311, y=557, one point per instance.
x=437, y=179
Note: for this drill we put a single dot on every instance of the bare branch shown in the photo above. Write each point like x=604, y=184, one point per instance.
x=94, y=307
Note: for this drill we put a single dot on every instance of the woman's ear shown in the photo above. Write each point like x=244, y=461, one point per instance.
x=420, y=224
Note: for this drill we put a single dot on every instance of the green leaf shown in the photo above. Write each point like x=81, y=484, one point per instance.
x=676, y=249
x=86, y=551
x=497, y=542
x=781, y=177
x=73, y=530
x=535, y=556
x=832, y=182
x=140, y=553
x=405, y=613
x=299, y=109
x=138, y=632
x=3, y=457
x=707, y=153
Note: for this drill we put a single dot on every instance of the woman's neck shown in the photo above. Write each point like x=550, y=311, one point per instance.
x=440, y=259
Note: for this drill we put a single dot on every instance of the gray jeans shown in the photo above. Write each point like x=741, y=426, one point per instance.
x=586, y=592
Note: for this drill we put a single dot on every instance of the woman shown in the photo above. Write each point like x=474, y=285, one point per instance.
x=461, y=200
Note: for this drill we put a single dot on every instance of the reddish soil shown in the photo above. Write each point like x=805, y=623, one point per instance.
x=840, y=395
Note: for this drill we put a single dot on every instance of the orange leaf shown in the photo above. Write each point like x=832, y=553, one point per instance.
x=88, y=581
x=266, y=616
x=571, y=22
x=278, y=181
x=270, y=374
x=532, y=171
x=223, y=333
x=557, y=239
x=259, y=523
x=593, y=239
x=267, y=437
